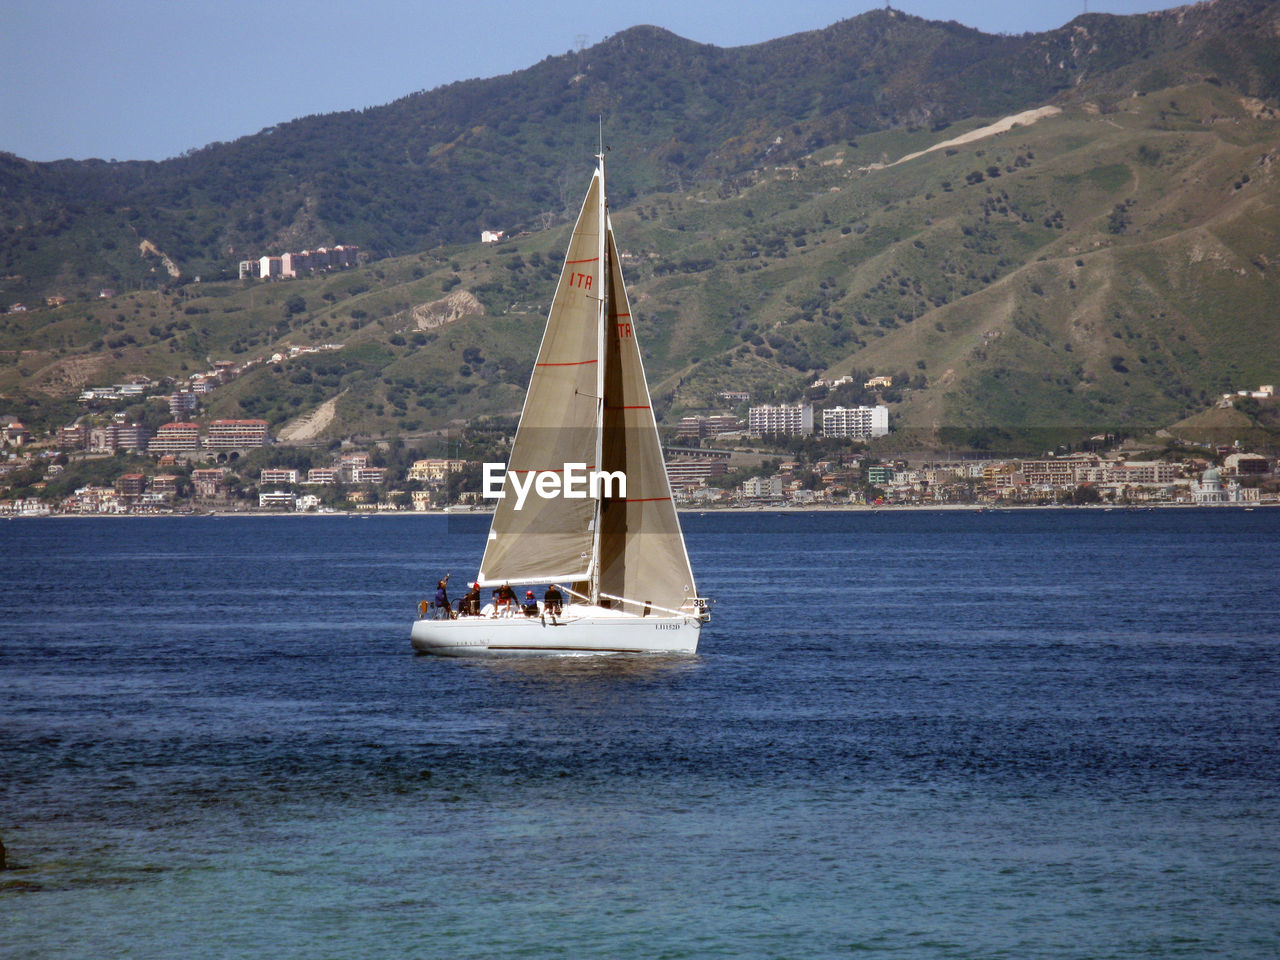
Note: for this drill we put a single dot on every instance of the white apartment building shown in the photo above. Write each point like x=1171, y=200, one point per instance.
x=763, y=487
x=787, y=419
x=858, y=423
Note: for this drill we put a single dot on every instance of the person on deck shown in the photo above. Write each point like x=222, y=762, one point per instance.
x=506, y=601
x=423, y=607
x=471, y=602
x=530, y=606
x=442, y=600
x=551, y=601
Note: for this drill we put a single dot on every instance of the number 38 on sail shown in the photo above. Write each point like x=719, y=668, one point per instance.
x=612, y=547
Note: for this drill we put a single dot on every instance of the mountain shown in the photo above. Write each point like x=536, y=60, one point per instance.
x=1110, y=263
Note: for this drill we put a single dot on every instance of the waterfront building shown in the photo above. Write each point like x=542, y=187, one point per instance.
x=93, y=499
x=784, y=419
x=1209, y=490
x=206, y=482
x=880, y=474
x=856, y=423
x=131, y=484
x=1155, y=471
x=763, y=487
x=275, y=500
x=689, y=472
x=433, y=470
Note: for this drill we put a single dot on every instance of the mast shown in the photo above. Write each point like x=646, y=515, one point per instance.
x=602, y=313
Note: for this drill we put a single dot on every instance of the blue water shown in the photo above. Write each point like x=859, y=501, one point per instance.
x=907, y=735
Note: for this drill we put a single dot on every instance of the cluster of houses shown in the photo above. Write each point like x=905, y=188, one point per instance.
x=695, y=466
x=290, y=265
x=1265, y=392
x=426, y=477
x=183, y=398
x=696, y=478
x=349, y=468
x=1049, y=480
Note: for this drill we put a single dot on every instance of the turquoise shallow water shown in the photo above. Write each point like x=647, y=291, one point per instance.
x=1040, y=734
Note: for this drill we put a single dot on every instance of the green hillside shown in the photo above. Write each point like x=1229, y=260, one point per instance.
x=1108, y=265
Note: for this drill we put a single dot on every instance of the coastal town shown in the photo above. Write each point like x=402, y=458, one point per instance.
x=748, y=456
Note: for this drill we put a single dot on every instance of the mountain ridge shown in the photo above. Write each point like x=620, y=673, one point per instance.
x=756, y=201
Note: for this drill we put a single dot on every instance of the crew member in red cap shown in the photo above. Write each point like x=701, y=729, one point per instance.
x=530, y=604
x=471, y=601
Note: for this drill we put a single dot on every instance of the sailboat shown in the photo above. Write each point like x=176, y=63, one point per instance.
x=585, y=502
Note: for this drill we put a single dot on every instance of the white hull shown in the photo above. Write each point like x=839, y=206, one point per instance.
x=581, y=630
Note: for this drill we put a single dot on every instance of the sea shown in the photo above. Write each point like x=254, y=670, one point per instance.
x=906, y=734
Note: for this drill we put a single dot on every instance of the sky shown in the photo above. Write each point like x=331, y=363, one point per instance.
x=150, y=79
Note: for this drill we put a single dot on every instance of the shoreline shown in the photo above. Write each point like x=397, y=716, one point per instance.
x=700, y=511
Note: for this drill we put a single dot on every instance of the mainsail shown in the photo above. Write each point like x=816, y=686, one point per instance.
x=550, y=539
x=588, y=403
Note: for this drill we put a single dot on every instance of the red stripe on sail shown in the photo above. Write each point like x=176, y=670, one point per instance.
x=572, y=363
x=588, y=260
